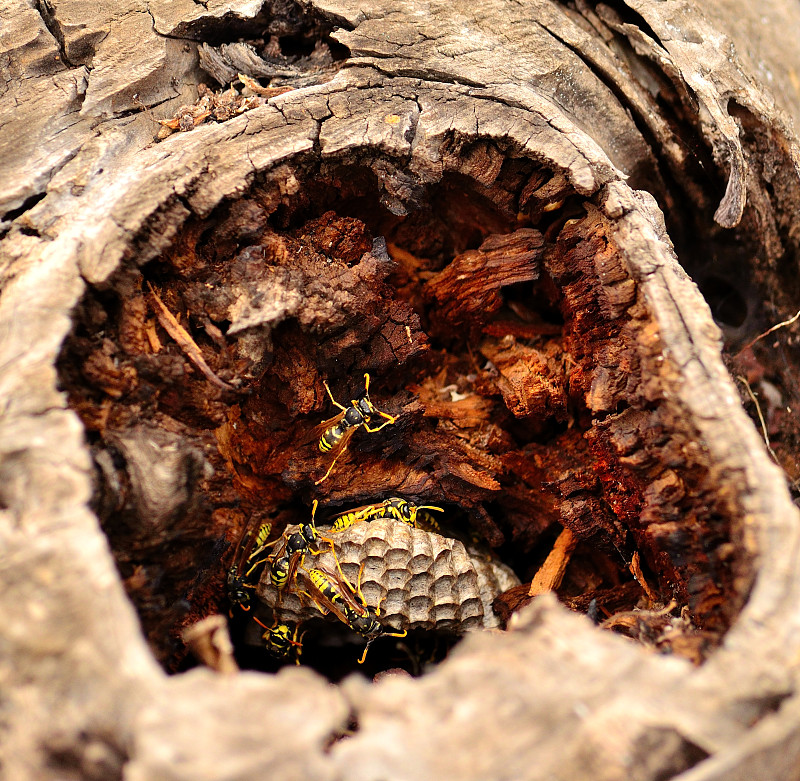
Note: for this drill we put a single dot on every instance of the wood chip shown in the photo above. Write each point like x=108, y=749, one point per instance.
x=551, y=573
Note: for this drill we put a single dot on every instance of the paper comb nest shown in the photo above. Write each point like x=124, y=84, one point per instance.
x=422, y=580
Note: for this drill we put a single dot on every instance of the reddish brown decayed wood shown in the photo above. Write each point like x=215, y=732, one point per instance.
x=468, y=290
x=526, y=418
x=186, y=343
x=532, y=379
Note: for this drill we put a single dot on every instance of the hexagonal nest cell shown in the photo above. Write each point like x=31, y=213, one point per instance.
x=505, y=338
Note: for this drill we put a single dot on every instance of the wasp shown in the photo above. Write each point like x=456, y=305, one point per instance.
x=336, y=595
x=245, y=559
x=284, y=567
x=335, y=433
x=395, y=507
x=281, y=640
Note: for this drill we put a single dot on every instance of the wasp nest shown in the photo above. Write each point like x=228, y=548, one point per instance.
x=420, y=580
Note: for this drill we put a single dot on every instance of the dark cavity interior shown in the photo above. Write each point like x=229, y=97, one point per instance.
x=482, y=322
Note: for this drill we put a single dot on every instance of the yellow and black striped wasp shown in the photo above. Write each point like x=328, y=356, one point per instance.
x=241, y=581
x=283, y=567
x=335, y=433
x=394, y=507
x=282, y=641
x=335, y=594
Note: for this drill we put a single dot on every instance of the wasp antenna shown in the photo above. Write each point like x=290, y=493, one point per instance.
x=264, y=626
x=249, y=572
x=430, y=507
x=366, y=383
x=390, y=419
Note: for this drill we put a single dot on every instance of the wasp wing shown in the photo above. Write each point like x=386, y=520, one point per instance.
x=336, y=451
x=252, y=544
x=346, y=592
x=294, y=562
x=322, y=601
x=362, y=513
x=321, y=428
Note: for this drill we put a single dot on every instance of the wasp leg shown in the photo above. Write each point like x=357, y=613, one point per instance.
x=256, y=563
x=370, y=642
x=298, y=643
x=364, y=654
x=336, y=403
x=322, y=609
x=357, y=589
x=258, y=551
x=378, y=615
x=330, y=468
x=358, y=586
x=318, y=535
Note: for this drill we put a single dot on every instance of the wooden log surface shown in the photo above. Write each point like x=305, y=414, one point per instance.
x=660, y=132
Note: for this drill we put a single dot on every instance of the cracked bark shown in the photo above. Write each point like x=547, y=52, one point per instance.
x=551, y=163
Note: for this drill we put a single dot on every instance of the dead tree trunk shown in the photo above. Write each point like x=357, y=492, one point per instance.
x=553, y=235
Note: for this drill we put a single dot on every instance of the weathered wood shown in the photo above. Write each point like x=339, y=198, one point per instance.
x=604, y=408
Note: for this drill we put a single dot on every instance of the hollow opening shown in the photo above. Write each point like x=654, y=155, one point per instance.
x=507, y=364
x=728, y=305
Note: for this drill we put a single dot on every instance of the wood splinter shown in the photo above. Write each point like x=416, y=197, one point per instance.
x=210, y=642
x=551, y=573
x=186, y=343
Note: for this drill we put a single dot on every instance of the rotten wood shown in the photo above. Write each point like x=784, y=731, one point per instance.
x=467, y=291
x=551, y=573
x=186, y=343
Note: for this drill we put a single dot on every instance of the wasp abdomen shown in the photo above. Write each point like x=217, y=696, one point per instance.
x=279, y=572
x=330, y=437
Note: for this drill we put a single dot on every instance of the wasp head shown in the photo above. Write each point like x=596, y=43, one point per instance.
x=237, y=593
x=297, y=541
x=367, y=626
x=309, y=533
